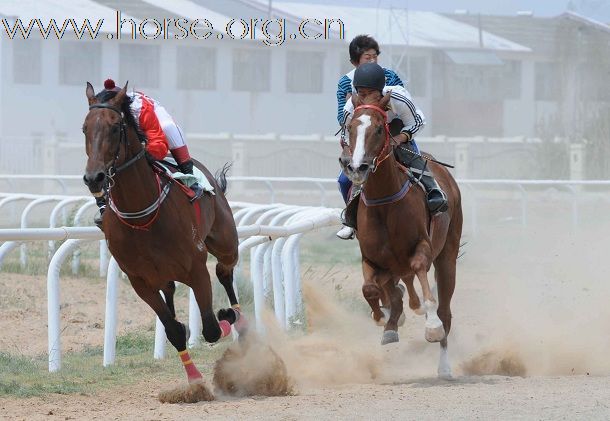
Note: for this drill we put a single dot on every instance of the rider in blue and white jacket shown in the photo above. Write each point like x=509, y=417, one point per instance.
x=369, y=79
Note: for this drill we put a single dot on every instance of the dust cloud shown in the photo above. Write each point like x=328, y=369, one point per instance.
x=528, y=302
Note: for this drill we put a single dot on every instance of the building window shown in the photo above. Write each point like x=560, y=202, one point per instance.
x=139, y=64
x=304, y=71
x=27, y=56
x=251, y=70
x=547, y=81
x=196, y=68
x=79, y=62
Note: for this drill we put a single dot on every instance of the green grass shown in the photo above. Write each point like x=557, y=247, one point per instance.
x=323, y=247
x=83, y=373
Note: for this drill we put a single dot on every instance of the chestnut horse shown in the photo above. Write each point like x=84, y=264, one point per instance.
x=153, y=231
x=398, y=238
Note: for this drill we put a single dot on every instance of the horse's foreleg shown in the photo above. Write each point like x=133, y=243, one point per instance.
x=168, y=292
x=174, y=330
x=372, y=292
x=390, y=332
x=420, y=264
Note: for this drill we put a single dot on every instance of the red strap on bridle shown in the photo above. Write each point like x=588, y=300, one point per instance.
x=378, y=159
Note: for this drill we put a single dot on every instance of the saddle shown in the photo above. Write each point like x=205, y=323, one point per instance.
x=169, y=169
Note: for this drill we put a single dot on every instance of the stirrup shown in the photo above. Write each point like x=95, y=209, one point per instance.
x=198, y=190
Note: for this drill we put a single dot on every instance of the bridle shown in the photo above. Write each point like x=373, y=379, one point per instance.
x=384, y=153
x=113, y=170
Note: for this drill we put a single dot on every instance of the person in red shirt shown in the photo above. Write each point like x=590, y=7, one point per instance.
x=162, y=133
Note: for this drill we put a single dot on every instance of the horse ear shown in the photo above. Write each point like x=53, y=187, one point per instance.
x=385, y=100
x=356, y=100
x=90, y=93
x=120, y=96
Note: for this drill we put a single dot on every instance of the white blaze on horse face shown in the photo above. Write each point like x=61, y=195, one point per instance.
x=365, y=122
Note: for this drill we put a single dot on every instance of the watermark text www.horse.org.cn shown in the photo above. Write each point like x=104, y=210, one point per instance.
x=271, y=32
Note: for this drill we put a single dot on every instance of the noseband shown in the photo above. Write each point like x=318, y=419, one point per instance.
x=386, y=145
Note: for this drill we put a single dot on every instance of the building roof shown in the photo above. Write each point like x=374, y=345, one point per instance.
x=402, y=27
x=538, y=33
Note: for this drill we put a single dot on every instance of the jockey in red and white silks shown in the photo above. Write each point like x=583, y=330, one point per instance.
x=161, y=130
x=162, y=134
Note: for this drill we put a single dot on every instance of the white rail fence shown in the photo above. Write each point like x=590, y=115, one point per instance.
x=270, y=232
x=476, y=193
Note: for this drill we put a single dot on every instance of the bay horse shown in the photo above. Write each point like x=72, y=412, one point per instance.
x=398, y=238
x=153, y=231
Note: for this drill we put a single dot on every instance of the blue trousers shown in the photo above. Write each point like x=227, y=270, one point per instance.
x=345, y=183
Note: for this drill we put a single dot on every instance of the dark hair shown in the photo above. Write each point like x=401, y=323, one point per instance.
x=359, y=45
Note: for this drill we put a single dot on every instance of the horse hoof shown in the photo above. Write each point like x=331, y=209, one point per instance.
x=227, y=314
x=445, y=375
x=436, y=334
x=389, y=336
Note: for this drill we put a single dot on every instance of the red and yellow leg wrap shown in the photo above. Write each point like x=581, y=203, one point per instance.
x=191, y=371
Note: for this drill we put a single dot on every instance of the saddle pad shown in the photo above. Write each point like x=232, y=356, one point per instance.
x=189, y=179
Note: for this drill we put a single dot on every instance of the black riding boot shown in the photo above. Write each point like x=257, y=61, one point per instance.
x=187, y=168
x=437, y=200
x=98, y=218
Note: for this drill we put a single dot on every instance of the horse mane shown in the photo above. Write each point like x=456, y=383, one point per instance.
x=106, y=95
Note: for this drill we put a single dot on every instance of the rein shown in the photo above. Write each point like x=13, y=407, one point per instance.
x=114, y=170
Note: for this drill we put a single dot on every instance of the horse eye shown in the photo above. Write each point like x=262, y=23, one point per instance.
x=84, y=129
x=114, y=129
x=379, y=130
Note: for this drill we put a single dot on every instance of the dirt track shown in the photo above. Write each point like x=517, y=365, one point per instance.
x=518, y=304
x=488, y=397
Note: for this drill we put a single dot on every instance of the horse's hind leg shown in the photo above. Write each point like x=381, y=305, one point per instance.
x=202, y=289
x=372, y=293
x=224, y=273
x=414, y=300
x=420, y=264
x=174, y=330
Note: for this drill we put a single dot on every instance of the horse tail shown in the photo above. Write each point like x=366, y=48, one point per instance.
x=221, y=176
